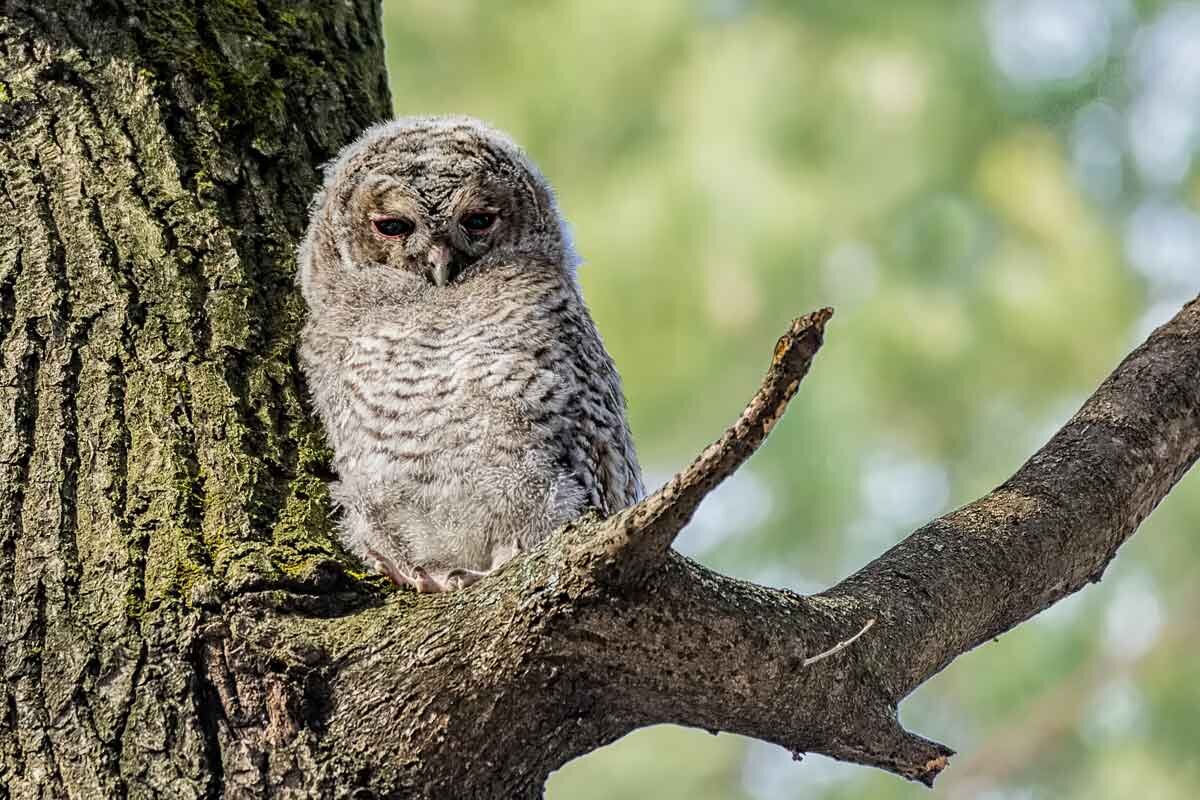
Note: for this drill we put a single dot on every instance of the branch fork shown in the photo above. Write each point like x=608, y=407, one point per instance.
x=659, y=518
x=605, y=629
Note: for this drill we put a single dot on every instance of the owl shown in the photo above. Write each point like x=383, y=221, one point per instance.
x=469, y=401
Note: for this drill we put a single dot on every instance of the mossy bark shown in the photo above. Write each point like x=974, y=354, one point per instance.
x=156, y=456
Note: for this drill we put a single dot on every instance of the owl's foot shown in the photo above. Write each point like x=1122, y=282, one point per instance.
x=423, y=582
x=462, y=578
x=450, y=581
x=419, y=580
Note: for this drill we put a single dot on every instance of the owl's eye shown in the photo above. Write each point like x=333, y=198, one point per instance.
x=392, y=227
x=477, y=222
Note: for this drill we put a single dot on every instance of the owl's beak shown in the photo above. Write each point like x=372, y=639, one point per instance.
x=439, y=263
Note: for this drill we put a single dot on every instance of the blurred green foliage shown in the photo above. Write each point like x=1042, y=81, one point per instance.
x=727, y=165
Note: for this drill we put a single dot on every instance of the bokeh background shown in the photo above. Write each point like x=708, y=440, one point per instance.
x=999, y=198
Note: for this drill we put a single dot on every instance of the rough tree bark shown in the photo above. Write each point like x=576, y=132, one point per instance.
x=177, y=620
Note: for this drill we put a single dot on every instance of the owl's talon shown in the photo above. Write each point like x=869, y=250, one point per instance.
x=421, y=581
x=425, y=584
x=396, y=575
x=462, y=578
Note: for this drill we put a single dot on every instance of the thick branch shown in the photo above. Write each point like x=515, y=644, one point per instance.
x=1054, y=526
x=549, y=660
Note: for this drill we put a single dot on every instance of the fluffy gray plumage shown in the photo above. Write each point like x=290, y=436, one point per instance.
x=471, y=405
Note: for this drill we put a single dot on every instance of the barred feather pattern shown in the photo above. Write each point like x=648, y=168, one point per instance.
x=468, y=420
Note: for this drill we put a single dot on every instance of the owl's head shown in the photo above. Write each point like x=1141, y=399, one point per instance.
x=436, y=197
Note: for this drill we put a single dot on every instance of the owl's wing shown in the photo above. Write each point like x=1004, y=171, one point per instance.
x=603, y=453
x=599, y=447
x=619, y=474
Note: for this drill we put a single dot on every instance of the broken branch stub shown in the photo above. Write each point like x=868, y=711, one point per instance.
x=636, y=539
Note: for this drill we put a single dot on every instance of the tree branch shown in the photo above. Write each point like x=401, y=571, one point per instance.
x=1055, y=525
x=649, y=528
x=550, y=659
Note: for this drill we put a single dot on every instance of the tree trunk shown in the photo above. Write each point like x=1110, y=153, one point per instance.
x=158, y=159
x=177, y=617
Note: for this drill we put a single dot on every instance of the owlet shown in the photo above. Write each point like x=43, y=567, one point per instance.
x=470, y=403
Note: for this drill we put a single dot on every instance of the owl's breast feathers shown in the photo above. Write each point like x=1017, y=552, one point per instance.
x=486, y=392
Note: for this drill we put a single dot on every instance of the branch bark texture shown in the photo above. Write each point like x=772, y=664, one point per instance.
x=176, y=617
